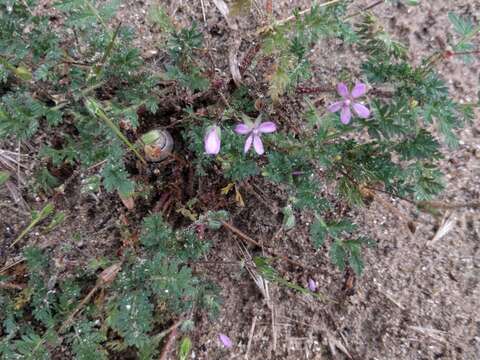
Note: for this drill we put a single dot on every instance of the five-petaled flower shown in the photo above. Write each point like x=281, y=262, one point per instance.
x=348, y=102
x=212, y=140
x=254, y=130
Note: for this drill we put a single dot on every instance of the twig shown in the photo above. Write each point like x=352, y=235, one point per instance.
x=274, y=329
x=432, y=333
x=390, y=297
x=8, y=267
x=203, y=12
x=369, y=7
x=252, y=191
x=168, y=344
x=11, y=286
x=347, y=175
x=293, y=17
x=14, y=209
x=79, y=307
x=247, y=238
x=447, y=206
x=171, y=328
x=389, y=206
x=250, y=336
x=106, y=277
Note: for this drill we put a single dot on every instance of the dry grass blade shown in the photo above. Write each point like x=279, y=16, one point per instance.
x=8, y=267
x=250, y=336
x=447, y=225
x=434, y=334
x=9, y=159
x=17, y=196
x=261, y=282
x=248, y=239
x=233, y=61
x=203, y=12
x=274, y=329
x=224, y=10
x=334, y=344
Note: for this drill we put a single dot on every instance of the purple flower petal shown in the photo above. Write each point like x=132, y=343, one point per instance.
x=248, y=143
x=342, y=90
x=360, y=89
x=312, y=285
x=335, y=106
x=345, y=115
x=267, y=127
x=258, y=145
x=361, y=110
x=212, y=140
x=225, y=340
x=242, y=129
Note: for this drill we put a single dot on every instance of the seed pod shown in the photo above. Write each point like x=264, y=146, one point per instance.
x=157, y=144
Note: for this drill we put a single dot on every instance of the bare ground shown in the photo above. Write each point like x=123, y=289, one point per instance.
x=418, y=298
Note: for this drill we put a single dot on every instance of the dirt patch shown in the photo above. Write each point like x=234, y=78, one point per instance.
x=418, y=298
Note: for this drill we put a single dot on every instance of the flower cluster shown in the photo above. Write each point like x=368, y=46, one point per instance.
x=254, y=130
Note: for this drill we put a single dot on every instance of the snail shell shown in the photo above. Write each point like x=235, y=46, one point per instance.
x=158, y=145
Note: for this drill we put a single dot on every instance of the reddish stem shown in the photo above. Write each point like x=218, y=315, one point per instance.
x=449, y=54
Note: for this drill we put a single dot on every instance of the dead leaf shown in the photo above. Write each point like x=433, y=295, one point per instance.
x=225, y=190
x=239, y=198
x=240, y=7
x=188, y=214
x=109, y=274
x=127, y=201
x=23, y=298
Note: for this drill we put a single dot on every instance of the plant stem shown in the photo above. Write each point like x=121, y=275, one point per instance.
x=293, y=17
x=432, y=59
x=47, y=210
x=108, y=50
x=97, y=111
x=168, y=344
x=449, y=54
x=369, y=7
x=97, y=14
x=247, y=238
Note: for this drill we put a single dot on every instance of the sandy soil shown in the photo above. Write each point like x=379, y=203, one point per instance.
x=418, y=298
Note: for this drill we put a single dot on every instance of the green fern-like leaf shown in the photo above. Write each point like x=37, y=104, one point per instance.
x=338, y=254
x=156, y=233
x=32, y=347
x=87, y=342
x=318, y=233
x=115, y=178
x=131, y=317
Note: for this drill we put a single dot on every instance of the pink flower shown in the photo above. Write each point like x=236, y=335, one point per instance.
x=225, y=340
x=254, y=130
x=212, y=140
x=312, y=285
x=347, y=103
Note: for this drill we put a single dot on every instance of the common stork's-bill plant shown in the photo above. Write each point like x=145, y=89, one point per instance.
x=85, y=96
